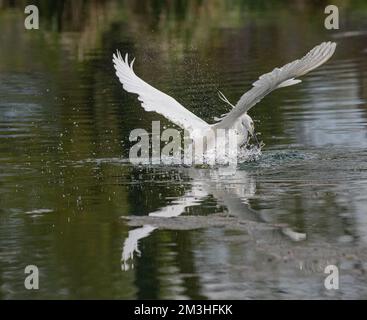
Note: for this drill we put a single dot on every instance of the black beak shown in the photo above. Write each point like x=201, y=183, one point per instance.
x=256, y=140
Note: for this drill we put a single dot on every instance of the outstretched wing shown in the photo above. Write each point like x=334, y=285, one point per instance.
x=153, y=99
x=278, y=78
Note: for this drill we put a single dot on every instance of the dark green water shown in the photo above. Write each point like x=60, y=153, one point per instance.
x=65, y=181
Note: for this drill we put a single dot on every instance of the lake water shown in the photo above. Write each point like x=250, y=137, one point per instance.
x=98, y=227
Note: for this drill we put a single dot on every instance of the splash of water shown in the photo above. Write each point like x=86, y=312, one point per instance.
x=250, y=153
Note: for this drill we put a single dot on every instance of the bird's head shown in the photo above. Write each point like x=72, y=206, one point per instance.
x=248, y=124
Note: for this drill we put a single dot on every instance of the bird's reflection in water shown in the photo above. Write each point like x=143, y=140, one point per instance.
x=231, y=189
x=131, y=245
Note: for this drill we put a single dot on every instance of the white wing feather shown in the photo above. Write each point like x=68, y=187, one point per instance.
x=278, y=78
x=153, y=99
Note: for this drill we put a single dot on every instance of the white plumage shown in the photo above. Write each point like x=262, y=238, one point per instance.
x=238, y=119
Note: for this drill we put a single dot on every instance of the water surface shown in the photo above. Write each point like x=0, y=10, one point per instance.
x=98, y=227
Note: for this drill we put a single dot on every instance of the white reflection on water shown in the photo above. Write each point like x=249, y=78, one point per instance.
x=131, y=245
x=230, y=190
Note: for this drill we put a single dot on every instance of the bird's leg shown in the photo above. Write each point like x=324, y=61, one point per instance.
x=224, y=99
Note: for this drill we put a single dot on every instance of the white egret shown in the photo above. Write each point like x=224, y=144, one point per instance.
x=237, y=119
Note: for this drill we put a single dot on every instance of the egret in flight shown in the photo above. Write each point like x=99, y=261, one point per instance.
x=237, y=119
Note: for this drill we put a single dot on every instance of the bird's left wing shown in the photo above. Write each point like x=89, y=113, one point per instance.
x=278, y=78
x=153, y=99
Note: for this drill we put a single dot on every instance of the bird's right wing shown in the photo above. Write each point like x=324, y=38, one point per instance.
x=153, y=99
x=278, y=78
